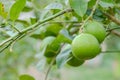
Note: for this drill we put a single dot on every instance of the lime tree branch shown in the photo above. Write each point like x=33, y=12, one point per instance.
x=112, y=18
x=91, y=14
x=113, y=31
x=116, y=33
x=26, y=30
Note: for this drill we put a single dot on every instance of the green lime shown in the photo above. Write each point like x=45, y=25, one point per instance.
x=85, y=46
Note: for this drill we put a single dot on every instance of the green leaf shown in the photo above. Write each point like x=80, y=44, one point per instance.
x=54, y=6
x=26, y=77
x=79, y=6
x=1, y=9
x=27, y=9
x=63, y=56
x=64, y=36
x=106, y=3
x=33, y=20
x=16, y=8
x=53, y=48
x=91, y=3
x=2, y=12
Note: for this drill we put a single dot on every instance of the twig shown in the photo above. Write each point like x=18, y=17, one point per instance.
x=9, y=44
x=90, y=16
x=64, y=22
x=110, y=52
x=13, y=42
x=13, y=26
x=112, y=18
x=109, y=30
x=35, y=25
x=49, y=68
x=46, y=20
x=115, y=33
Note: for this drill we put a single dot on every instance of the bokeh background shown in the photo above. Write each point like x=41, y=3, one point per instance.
x=25, y=57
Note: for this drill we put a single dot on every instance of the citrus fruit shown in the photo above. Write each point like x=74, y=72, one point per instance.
x=85, y=46
x=95, y=28
x=75, y=62
x=53, y=29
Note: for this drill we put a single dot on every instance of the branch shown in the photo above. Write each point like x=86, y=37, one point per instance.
x=92, y=12
x=111, y=51
x=9, y=44
x=35, y=25
x=109, y=30
x=115, y=33
x=112, y=18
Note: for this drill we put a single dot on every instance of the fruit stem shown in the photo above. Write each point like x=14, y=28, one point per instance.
x=90, y=16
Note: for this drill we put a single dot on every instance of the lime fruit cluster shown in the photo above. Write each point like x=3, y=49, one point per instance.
x=86, y=45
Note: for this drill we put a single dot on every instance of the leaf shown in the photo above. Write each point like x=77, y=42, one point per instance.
x=27, y=9
x=79, y=6
x=26, y=77
x=33, y=20
x=1, y=8
x=2, y=12
x=54, y=6
x=16, y=8
x=91, y=3
x=63, y=56
x=106, y=3
x=53, y=48
x=64, y=36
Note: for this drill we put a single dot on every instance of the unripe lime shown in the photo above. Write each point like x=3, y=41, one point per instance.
x=95, y=28
x=85, y=46
x=53, y=29
x=75, y=62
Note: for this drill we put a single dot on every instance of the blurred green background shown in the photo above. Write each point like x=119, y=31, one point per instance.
x=26, y=58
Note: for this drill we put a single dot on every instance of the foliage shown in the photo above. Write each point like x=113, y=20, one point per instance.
x=26, y=24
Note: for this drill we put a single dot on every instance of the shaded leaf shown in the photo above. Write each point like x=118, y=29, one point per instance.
x=64, y=36
x=79, y=6
x=54, y=6
x=27, y=9
x=106, y=3
x=63, y=56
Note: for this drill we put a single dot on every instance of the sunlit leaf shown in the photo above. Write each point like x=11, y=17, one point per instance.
x=2, y=12
x=26, y=77
x=16, y=9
